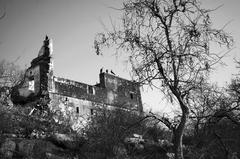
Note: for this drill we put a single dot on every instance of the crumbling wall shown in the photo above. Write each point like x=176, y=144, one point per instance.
x=72, y=110
x=34, y=85
x=121, y=92
x=70, y=99
x=75, y=101
x=116, y=91
x=69, y=106
x=28, y=88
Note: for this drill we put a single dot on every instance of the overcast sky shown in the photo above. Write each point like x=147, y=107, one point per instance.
x=72, y=24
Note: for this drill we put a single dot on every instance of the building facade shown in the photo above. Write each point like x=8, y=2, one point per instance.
x=74, y=99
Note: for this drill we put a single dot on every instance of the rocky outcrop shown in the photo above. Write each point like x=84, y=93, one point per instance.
x=38, y=149
x=31, y=149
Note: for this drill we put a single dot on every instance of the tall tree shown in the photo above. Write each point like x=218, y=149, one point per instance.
x=168, y=44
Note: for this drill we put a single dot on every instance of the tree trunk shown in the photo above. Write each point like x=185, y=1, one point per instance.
x=178, y=146
x=178, y=133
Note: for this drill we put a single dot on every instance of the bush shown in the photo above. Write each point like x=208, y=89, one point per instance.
x=107, y=129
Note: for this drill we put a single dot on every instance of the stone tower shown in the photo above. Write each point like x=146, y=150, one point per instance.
x=38, y=77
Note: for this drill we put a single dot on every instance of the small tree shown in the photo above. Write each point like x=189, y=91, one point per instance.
x=168, y=42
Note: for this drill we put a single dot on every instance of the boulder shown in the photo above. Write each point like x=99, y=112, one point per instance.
x=65, y=141
x=8, y=148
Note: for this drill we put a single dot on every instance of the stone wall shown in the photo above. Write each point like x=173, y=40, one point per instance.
x=36, y=78
x=121, y=92
x=111, y=90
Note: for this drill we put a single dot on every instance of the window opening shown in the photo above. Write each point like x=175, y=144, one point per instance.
x=91, y=111
x=131, y=95
x=31, y=85
x=91, y=90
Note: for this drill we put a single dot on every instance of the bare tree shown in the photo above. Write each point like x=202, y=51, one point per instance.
x=168, y=44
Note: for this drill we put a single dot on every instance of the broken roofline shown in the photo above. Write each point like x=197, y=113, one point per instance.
x=77, y=83
x=39, y=82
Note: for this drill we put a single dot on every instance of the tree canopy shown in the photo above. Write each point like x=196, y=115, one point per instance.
x=168, y=41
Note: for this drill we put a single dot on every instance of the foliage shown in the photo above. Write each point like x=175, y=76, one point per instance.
x=108, y=128
x=215, y=122
x=30, y=122
x=204, y=102
x=110, y=133
x=218, y=140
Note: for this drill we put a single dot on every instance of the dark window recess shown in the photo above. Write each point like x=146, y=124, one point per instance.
x=90, y=89
x=131, y=95
x=77, y=110
x=91, y=111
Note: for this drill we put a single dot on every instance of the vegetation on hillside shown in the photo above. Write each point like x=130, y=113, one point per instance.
x=168, y=44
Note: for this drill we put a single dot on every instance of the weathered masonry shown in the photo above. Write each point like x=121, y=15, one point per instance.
x=74, y=99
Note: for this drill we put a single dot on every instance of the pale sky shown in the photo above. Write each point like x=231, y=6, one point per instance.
x=72, y=24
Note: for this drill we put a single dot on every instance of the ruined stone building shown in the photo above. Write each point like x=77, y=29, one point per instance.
x=74, y=99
